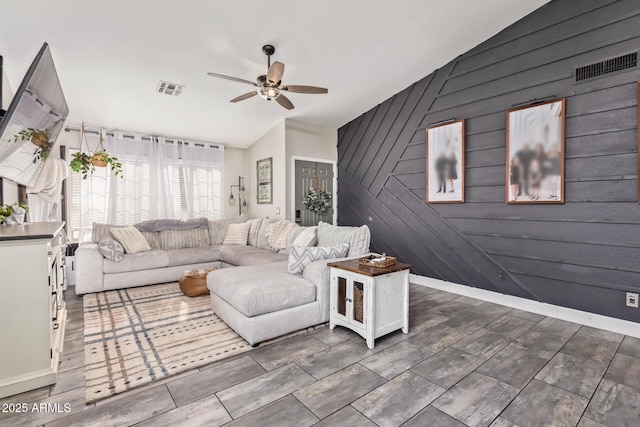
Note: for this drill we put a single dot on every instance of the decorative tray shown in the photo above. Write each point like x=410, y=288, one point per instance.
x=379, y=261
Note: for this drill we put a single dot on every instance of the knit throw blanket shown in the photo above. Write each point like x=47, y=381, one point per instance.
x=278, y=234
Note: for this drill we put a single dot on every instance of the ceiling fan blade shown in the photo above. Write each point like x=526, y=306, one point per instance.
x=274, y=75
x=285, y=102
x=235, y=79
x=304, y=89
x=245, y=96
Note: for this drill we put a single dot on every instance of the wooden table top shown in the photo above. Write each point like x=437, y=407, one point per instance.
x=353, y=265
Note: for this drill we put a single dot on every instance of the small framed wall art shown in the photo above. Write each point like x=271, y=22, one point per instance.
x=535, y=153
x=445, y=163
x=264, y=169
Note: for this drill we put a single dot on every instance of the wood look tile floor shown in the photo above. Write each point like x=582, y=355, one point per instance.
x=464, y=363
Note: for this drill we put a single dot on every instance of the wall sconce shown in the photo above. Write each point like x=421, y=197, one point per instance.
x=243, y=208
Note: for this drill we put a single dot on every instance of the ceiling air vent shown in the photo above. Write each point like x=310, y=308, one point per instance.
x=608, y=66
x=167, y=88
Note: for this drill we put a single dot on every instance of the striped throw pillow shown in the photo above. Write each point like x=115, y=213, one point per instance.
x=301, y=256
x=131, y=239
x=237, y=234
x=218, y=228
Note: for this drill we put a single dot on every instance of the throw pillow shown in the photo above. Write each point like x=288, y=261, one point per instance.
x=237, y=234
x=263, y=239
x=218, y=228
x=307, y=237
x=131, y=239
x=357, y=237
x=254, y=230
x=301, y=256
x=111, y=249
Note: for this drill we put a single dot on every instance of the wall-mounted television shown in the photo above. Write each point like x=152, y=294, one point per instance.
x=38, y=104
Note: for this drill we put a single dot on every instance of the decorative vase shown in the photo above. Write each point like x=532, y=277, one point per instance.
x=17, y=215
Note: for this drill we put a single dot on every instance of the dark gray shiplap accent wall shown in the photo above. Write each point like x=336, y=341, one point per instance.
x=584, y=254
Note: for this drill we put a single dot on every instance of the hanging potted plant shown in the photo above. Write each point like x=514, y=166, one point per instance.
x=87, y=162
x=39, y=138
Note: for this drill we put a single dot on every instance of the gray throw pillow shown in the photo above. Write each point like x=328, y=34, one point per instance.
x=301, y=256
x=111, y=249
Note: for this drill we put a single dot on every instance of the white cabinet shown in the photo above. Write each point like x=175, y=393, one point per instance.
x=32, y=309
x=370, y=301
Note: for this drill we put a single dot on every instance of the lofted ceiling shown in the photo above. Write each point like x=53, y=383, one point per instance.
x=111, y=55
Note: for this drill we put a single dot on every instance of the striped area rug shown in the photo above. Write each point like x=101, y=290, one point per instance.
x=135, y=336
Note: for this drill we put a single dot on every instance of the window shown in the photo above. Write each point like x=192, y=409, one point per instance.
x=162, y=179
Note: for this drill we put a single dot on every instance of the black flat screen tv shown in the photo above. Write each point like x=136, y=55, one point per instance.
x=38, y=104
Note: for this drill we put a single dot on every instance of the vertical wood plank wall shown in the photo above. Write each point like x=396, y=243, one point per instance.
x=584, y=254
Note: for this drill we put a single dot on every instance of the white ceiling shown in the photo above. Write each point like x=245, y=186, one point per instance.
x=111, y=54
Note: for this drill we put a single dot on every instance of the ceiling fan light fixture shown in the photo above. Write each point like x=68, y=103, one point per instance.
x=268, y=93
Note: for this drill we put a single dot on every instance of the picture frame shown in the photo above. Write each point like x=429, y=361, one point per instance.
x=535, y=153
x=264, y=173
x=445, y=162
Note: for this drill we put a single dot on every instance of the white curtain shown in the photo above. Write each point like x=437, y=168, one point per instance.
x=161, y=179
x=203, y=166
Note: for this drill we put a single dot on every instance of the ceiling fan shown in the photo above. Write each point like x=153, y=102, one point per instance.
x=269, y=86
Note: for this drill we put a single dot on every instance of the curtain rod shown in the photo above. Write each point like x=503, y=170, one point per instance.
x=112, y=133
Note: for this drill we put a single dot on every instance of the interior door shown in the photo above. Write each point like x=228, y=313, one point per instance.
x=306, y=174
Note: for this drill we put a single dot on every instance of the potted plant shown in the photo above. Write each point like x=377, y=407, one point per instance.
x=5, y=211
x=86, y=163
x=39, y=138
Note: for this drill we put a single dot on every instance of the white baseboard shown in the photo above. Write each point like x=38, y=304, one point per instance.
x=599, y=321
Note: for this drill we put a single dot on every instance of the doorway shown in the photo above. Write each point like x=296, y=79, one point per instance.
x=310, y=173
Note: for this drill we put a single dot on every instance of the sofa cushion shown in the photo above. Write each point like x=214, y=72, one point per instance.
x=358, y=238
x=153, y=238
x=189, y=238
x=186, y=256
x=307, y=237
x=131, y=239
x=259, y=290
x=138, y=261
x=237, y=234
x=218, y=228
x=111, y=249
x=249, y=255
x=301, y=256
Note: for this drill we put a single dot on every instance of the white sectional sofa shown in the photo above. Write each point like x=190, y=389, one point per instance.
x=252, y=291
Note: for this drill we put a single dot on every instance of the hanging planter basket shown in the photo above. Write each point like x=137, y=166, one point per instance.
x=87, y=162
x=39, y=138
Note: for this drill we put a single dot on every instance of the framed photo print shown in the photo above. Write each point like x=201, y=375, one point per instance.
x=535, y=153
x=264, y=169
x=445, y=163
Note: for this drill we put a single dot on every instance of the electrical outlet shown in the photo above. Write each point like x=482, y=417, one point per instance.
x=632, y=299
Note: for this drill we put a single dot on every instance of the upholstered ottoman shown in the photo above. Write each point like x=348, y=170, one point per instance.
x=193, y=283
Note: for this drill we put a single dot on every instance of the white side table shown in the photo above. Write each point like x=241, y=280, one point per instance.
x=368, y=300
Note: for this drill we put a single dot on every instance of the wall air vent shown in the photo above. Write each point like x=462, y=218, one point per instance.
x=608, y=66
x=167, y=88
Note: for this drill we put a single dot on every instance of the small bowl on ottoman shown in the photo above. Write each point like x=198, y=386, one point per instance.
x=193, y=283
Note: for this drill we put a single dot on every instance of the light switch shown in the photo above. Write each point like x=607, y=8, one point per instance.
x=277, y=211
